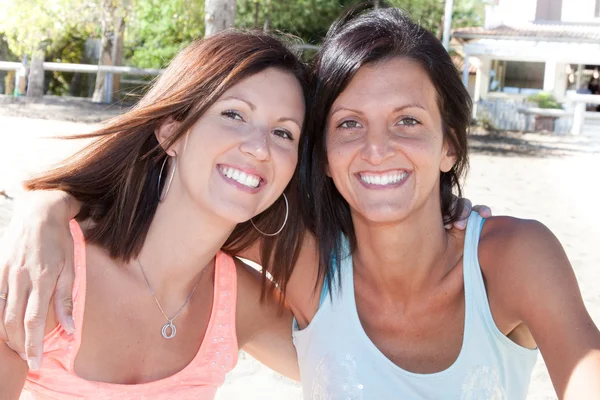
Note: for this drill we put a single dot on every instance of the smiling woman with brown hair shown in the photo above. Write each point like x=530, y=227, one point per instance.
x=167, y=192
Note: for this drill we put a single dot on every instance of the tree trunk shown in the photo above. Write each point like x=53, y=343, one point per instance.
x=3, y=56
x=117, y=56
x=267, y=25
x=377, y=3
x=256, y=12
x=218, y=15
x=119, y=45
x=35, y=87
x=105, y=59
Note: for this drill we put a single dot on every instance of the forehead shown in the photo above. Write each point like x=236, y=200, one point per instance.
x=272, y=87
x=389, y=82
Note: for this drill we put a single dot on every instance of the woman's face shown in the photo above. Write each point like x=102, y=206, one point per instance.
x=237, y=159
x=385, y=145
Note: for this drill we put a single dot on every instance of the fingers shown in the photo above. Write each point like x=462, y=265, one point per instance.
x=484, y=211
x=467, y=206
x=14, y=311
x=63, y=300
x=3, y=293
x=36, y=314
x=461, y=222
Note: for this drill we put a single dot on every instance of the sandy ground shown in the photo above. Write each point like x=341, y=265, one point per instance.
x=549, y=178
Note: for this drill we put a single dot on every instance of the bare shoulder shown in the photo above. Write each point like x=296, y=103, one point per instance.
x=507, y=241
x=522, y=262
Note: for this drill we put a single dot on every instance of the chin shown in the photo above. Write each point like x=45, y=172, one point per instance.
x=235, y=213
x=384, y=214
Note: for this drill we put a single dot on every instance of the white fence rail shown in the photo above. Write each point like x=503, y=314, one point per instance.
x=81, y=68
x=84, y=68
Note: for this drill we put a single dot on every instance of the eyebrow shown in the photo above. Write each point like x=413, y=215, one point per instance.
x=250, y=104
x=284, y=119
x=253, y=108
x=411, y=105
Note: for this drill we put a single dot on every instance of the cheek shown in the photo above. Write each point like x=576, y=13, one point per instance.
x=340, y=155
x=285, y=162
x=425, y=151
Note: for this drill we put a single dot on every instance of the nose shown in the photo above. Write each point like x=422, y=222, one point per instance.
x=256, y=144
x=377, y=147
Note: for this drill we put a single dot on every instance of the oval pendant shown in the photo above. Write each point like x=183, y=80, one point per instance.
x=165, y=329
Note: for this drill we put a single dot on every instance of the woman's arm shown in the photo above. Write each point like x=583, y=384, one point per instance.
x=13, y=372
x=264, y=329
x=13, y=369
x=530, y=276
x=36, y=260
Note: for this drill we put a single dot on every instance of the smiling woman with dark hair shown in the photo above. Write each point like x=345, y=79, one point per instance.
x=416, y=311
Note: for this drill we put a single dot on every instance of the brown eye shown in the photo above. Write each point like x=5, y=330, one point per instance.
x=232, y=114
x=282, y=133
x=408, y=121
x=350, y=124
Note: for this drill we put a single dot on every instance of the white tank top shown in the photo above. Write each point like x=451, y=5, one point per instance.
x=338, y=361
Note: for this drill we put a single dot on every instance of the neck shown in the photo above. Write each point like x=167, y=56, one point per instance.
x=181, y=242
x=406, y=257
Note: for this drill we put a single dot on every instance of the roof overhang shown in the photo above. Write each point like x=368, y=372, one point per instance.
x=573, y=52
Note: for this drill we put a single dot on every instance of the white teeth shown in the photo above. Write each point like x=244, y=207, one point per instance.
x=241, y=177
x=382, y=180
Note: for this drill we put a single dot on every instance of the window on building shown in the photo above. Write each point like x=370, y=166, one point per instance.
x=548, y=10
x=516, y=77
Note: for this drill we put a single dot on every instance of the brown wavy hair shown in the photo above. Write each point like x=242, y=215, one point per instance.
x=115, y=177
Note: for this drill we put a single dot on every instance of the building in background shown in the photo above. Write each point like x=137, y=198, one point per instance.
x=530, y=46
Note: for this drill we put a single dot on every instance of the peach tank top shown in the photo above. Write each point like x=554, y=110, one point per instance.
x=199, y=380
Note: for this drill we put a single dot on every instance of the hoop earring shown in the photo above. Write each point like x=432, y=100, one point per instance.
x=287, y=210
x=161, y=197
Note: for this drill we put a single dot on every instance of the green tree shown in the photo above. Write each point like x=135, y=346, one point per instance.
x=430, y=13
x=31, y=26
x=307, y=19
x=158, y=29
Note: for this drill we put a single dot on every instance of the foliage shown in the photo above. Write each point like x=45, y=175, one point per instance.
x=310, y=19
x=307, y=19
x=68, y=48
x=544, y=100
x=430, y=13
x=27, y=23
x=5, y=53
x=158, y=29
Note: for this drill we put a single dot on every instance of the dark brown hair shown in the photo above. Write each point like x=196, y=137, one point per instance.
x=115, y=178
x=359, y=38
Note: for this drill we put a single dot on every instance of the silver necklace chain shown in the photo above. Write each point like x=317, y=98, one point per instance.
x=169, y=330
